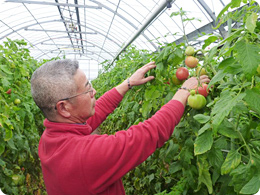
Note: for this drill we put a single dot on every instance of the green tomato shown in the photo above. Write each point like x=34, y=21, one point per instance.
x=196, y=101
x=189, y=51
x=17, y=101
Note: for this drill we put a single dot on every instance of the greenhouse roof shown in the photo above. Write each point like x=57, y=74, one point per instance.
x=94, y=31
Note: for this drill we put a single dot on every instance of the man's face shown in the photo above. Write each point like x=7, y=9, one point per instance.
x=83, y=105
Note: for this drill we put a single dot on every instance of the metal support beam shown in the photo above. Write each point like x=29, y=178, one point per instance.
x=60, y=31
x=55, y=4
x=78, y=20
x=194, y=35
x=160, y=8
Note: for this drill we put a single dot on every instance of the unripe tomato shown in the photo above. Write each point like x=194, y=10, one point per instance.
x=196, y=101
x=258, y=70
x=182, y=73
x=189, y=51
x=9, y=91
x=202, y=90
x=17, y=101
x=175, y=80
x=191, y=61
x=201, y=71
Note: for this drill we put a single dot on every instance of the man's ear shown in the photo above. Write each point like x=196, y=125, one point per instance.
x=63, y=109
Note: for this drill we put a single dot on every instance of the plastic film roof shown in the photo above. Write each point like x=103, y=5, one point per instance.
x=93, y=31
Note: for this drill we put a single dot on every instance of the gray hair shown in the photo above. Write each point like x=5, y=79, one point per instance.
x=51, y=82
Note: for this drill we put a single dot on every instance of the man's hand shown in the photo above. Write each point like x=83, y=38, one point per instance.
x=138, y=77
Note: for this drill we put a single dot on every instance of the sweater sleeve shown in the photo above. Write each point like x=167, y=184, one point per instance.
x=109, y=158
x=105, y=105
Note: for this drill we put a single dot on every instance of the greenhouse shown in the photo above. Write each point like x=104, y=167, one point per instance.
x=154, y=97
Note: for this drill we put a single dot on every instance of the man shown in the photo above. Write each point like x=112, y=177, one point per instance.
x=76, y=162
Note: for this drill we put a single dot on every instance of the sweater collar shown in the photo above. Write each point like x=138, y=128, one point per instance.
x=74, y=128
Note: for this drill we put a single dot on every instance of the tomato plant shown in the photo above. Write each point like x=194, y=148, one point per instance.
x=214, y=150
x=182, y=73
x=20, y=122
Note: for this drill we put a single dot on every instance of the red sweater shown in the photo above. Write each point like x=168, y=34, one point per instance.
x=74, y=162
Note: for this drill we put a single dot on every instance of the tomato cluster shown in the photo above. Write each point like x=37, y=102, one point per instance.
x=197, y=98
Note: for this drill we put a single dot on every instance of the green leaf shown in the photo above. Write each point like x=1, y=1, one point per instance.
x=204, y=175
x=230, y=100
x=2, y=147
x=241, y=175
x=248, y=55
x=230, y=65
x=5, y=69
x=201, y=118
x=252, y=98
x=160, y=66
x=203, y=142
x=204, y=128
x=251, y=22
x=231, y=162
x=218, y=77
x=209, y=40
x=235, y=3
x=227, y=129
x=252, y=187
x=146, y=107
x=8, y=134
x=216, y=158
x=222, y=12
x=166, y=53
x=151, y=93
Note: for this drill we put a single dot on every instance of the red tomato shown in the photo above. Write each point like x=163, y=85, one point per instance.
x=191, y=61
x=203, y=90
x=9, y=91
x=182, y=73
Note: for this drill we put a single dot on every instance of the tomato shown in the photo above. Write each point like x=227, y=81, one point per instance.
x=9, y=91
x=182, y=73
x=196, y=101
x=17, y=101
x=202, y=90
x=191, y=61
x=201, y=71
x=258, y=69
x=175, y=80
x=189, y=51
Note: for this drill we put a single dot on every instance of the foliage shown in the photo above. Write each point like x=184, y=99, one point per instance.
x=20, y=123
x=214, y=150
